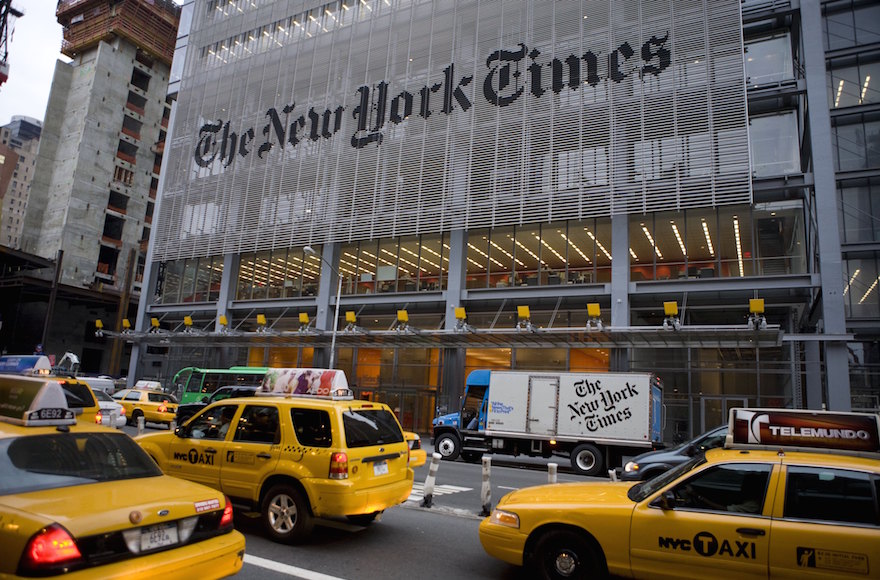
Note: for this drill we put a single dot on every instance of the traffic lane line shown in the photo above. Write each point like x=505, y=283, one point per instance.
x=287, y=569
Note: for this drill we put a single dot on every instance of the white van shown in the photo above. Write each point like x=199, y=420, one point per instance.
x=99, y=384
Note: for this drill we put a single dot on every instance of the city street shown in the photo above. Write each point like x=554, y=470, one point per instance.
x=438, y=542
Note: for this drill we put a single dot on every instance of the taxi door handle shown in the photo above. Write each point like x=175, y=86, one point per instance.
x=264, y=455
x=750, y=531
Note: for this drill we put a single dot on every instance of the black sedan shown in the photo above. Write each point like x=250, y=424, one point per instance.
x=184, y=412
x=647, y=465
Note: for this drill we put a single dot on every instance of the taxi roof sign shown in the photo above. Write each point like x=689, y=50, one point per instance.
x=305, y=382
x=802, y=428
x=32, y=401
x=25, y=364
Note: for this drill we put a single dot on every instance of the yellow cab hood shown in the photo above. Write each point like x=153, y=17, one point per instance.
x=593, y=493
x=103, y=507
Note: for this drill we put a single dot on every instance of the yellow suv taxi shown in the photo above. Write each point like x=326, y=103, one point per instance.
x=78, y=395
x=85, y=501
x=301, y=449
x=793, y=494
x=153, y=405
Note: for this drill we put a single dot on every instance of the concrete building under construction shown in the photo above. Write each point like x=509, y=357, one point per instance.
x=98, y=166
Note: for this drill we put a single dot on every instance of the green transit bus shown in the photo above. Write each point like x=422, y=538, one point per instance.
x=193, y=383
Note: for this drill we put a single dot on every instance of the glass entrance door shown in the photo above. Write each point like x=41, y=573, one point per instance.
x=714, y=411
x=414, y=407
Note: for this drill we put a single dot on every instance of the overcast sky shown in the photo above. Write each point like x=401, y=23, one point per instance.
x=34, y=46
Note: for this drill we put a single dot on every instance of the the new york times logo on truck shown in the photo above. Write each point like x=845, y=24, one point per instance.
x=599, y=407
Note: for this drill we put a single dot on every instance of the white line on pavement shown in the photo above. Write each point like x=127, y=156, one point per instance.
x=286, y=569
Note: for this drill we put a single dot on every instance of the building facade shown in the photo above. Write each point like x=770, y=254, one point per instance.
x=21, y=135
x=451, y=184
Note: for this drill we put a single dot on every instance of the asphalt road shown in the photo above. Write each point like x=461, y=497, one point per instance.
x=410, y=540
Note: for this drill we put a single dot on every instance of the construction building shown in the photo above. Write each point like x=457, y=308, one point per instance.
x=417, y=188
x=98, y=165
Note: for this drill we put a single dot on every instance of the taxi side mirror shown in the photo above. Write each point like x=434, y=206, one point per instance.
x=179, y=431
x=666, y=501
x=691, y=450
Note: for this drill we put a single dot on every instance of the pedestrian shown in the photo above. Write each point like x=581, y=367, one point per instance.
x=38, y=350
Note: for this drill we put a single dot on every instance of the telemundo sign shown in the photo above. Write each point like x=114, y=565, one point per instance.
x=424, y=117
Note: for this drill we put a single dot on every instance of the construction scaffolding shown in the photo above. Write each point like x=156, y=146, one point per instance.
x=151, y=25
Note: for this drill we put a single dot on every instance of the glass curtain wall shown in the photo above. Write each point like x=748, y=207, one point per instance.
x=540, y=255
x=190, y=280
x=728, y=241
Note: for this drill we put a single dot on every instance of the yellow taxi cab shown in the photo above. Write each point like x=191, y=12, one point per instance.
x=301, y=449
x=153, y=405
x=86, y=502
x=79, y=396
x=793, y=494
x=417, y=455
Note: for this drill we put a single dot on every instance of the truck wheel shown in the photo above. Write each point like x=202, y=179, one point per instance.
x=448, y=446
x=565, y=554
x=286, y=515
x=586, y=459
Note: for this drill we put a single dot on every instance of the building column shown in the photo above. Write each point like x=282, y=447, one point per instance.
x=326, y=299
x=453, y=359
x=837, y=386
x=619, y=357
x=813, y=369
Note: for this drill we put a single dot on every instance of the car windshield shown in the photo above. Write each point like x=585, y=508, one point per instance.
x=640, y=491
x=37, y=462
x=364, y=428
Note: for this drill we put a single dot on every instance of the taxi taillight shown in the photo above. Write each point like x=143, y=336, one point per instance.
x=226, y=518
x=99, y=418
x=339, y=466
x=50, y=547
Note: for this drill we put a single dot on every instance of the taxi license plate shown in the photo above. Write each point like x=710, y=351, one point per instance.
x=153, y=537
x=380, y=468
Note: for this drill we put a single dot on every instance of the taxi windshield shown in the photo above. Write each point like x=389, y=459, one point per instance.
x=55, y=460
x=642, y=490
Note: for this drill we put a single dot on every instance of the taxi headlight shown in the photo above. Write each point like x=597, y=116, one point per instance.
x=504, y=518
x=631, y=466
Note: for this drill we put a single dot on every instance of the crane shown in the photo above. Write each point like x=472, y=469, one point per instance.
x=8, y=14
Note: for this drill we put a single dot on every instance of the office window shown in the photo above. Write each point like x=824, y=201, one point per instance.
x=769, y=60
x=856, y=142
x=850, y=23
x=853, y=80
x=859, y=210
x=775, y=145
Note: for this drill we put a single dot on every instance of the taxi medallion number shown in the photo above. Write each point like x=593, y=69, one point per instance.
x=380, y=468
x=153, y=537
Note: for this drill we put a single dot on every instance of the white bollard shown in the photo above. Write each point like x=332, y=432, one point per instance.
x=428, y=497
x=551, y=472
x=141, y=424
x=487, y=488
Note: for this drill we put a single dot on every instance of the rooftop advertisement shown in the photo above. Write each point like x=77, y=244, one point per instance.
x=788, y=428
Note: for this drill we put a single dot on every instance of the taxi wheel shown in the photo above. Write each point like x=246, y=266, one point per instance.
x=586, y=459
x=286, y=515
x=133, y=418
x=448, y=446
x=563, y=554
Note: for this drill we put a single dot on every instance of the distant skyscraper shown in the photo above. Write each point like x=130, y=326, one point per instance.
x=22, y=136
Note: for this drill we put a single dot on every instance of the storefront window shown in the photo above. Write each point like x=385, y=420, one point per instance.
x=173, y=272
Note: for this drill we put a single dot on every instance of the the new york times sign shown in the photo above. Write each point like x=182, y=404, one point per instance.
x=409, y=117
x=510, y=75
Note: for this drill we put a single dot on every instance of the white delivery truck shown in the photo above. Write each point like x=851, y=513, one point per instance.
x=597, y=419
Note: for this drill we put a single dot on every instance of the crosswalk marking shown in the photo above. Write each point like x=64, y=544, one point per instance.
x=418, y=491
